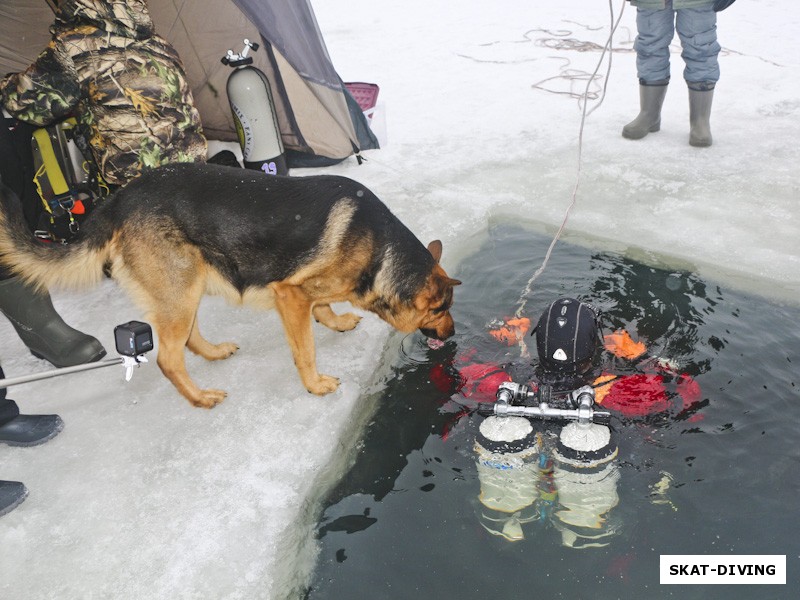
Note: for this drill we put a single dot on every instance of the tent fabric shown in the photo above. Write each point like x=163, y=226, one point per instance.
x=291, y=27
x=320, y=123
x=24, y=33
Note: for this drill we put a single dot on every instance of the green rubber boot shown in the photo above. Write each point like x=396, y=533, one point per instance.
x=700, y=117
x=41, y=328
x=651, y=99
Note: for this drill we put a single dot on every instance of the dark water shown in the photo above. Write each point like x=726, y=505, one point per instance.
x=405, y=521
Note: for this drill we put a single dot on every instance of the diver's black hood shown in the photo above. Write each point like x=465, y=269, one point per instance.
x=567, y=337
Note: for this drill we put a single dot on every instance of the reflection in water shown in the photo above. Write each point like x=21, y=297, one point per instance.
x=507, y=455
x=524, y=478
x=585, y=500
x=660, y=490
x=666, y=309
x=420, y=513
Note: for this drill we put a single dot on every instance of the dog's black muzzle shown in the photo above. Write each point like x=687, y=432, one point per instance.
x=433, y=334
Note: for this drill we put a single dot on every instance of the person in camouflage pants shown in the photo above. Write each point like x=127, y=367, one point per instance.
x=126, y=86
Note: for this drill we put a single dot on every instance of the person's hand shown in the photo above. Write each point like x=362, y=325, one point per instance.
x=621, y=344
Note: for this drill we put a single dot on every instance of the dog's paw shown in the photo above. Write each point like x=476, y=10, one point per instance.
x=208, y=398
x=325, y=384
x=214, y=351
x=226, y=349
x=347, y=321
x=344, y=322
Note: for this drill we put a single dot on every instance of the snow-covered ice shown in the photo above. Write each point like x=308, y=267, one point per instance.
x=144, y=496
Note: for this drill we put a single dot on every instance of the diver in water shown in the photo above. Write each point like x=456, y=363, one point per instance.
x=573, y=351
x=527, y=472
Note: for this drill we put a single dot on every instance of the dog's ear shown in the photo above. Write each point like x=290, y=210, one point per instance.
x=435, y=248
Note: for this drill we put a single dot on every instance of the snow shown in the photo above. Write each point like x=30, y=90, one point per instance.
x=144, y=496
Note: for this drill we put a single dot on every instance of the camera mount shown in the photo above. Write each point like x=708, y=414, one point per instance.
x=133, y=339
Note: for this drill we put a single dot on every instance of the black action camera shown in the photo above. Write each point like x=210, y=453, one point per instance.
x=133, y=338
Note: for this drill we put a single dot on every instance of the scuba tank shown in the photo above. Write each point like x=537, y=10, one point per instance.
x=507, y=452
x=254, y=115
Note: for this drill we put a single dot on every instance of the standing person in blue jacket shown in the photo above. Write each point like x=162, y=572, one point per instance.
x=696, y=24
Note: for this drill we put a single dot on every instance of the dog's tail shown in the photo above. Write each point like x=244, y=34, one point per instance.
x=78, y=265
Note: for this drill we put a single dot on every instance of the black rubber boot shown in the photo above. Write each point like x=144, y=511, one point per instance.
x=30, y=430
x=12, y=493
x=651, y=99
x=41, y=328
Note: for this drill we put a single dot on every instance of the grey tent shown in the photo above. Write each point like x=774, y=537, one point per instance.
x=319, y=120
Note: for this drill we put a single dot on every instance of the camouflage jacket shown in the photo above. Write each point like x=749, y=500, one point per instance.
x=126, y=86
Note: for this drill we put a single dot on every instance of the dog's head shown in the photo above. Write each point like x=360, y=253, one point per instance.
x=434, y=304
x=429, y=310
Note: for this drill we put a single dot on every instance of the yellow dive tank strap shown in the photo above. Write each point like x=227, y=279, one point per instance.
x=52, y=168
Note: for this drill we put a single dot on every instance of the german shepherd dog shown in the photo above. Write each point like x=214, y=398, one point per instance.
x=296, y=244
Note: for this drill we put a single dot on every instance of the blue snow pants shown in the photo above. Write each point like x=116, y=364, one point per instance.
x=697, y=29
